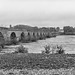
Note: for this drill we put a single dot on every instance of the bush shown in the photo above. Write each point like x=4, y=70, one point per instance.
x=21, y=49
x=54, y=49
x=47, y=49
x=60, y=50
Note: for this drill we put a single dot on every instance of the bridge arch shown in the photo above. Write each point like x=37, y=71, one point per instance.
x=22, y=35
x=28, y=34
x=13, y=38
x=33, y=34
x=13, y=35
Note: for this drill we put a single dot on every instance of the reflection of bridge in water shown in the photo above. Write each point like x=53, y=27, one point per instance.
x=24, y=35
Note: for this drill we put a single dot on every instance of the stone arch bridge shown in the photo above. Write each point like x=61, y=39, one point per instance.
x=23, y=35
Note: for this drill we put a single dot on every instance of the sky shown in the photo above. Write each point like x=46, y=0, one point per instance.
x=41, y=13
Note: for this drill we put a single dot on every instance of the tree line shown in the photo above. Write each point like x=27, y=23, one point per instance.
x=29, y=28
x=69, y=30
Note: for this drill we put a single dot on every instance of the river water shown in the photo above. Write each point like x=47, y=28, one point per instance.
x=67, y=42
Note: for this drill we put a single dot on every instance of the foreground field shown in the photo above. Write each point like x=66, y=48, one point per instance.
x=37, y=64
x=36, y=61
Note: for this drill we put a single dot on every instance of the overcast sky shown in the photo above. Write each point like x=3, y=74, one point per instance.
x=41, y=13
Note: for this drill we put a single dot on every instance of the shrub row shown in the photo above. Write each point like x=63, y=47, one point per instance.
x=55, y=49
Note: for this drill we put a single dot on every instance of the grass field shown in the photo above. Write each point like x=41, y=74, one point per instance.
x=36, y=61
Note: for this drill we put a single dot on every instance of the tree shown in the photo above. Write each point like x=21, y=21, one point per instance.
x=52, y=29
x=68, y=30
x=57, y=29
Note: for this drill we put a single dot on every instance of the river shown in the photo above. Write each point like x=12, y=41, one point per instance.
x=67, y=42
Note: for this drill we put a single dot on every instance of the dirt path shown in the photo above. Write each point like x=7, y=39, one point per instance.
x=61, y=71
